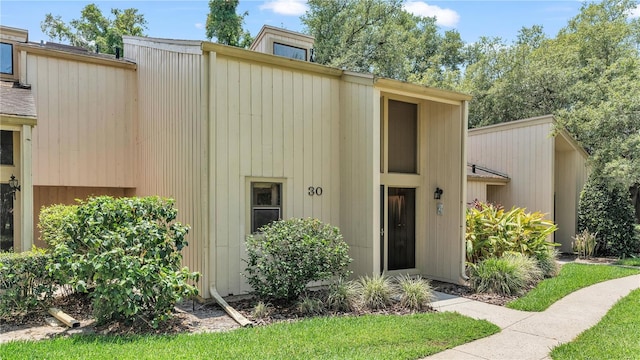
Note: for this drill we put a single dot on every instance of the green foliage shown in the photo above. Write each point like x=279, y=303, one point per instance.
x=381, y=37
x=225, y=24
x=415, y=292
x=25, y=283
x=93, y=29
x=492, y=231
x=547, y=262
x=507, y=275
x=584, y=244
x=343, y=295
x=56, y=222
x=605, y=210
x=572, y=277
x=128, y=250
x=286, y=255
x=261, y=310
x=310, y=306
x=377, y=291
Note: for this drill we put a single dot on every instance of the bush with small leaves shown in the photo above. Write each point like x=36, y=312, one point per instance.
x=376, y=291
x=128, y=251
x=415, y=292
x=507, y=275
x=288, y=254
x=25, y=283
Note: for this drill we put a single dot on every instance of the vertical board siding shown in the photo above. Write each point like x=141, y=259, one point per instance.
x=85, y=134
x=171, y=142
x=358, y=180
x=525, y=154
x=276, y=124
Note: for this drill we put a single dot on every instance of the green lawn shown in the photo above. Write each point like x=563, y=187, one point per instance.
x=572, y=277
x=614, y=337
x=629, y=262
x=365, y=337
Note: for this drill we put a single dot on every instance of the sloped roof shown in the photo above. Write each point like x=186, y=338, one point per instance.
x=16, y=100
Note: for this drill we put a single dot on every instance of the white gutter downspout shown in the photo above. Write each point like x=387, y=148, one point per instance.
x=235, y=315
x=463, y=187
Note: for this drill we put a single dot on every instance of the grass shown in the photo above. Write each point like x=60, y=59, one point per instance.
x=614, y=337
x=364, y=337
x=572, y=277
x=629, y=262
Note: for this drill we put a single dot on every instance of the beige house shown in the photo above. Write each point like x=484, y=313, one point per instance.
x=525, y=163
x=241, y=137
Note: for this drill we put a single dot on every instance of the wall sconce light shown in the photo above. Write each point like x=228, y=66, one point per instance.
x=14, y=186
x=438, y=193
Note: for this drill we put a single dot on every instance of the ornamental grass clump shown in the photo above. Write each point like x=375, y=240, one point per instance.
x=343, y=295
x=415, y=292
x=310, y=306
x=509, y=275
x=548, y=263
x=376, y=291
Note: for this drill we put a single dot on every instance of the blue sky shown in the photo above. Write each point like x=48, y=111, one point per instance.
x=185, y=19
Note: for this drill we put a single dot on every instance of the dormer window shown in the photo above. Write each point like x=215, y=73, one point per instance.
x=6, y=58
x=289, y=51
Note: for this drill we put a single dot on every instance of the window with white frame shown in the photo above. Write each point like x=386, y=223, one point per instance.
x=266, y=204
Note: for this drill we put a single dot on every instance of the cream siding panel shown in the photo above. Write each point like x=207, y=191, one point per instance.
x=476, y=190
x=283, y=114
x=358, y=164
x=171, y=142
x=85, y=134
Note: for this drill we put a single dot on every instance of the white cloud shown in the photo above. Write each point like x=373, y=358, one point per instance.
x=635, y=13
x=199, y=25
x=286, y=7
x=444, y=17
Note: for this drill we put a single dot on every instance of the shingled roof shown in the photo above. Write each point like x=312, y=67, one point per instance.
x=16, y=100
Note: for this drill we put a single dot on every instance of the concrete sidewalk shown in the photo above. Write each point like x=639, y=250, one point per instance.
x=532, y=335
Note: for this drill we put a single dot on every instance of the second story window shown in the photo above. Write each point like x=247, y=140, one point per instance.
x=289, y=51
x=6, y=58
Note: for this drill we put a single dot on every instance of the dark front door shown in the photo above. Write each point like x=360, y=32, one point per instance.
x=6, y=217
x=401, y=229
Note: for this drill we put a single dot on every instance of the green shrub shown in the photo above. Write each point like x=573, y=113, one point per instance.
x=376, y=291
x=584, y=244
x=491, y=231
x=25, y=283
x=507, y=275
x=605, y=210
x=547, y=262
x=288, y=254
x=415, y=292
x=343, y=295
x=128, y=250
x=56, y=222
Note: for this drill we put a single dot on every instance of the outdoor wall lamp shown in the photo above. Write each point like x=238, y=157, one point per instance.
x=14, y=185
x=438, y=193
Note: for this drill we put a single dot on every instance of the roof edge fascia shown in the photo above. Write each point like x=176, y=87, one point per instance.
x=66, y=55
x=420, y=91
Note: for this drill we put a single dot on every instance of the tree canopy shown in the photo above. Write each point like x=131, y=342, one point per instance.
x=225, y=25
x=93, y=30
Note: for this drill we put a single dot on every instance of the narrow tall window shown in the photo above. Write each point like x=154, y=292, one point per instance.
x=266, y=204
x=403, y=137
x=6, y=147
x=6, y=58
x=289, y=51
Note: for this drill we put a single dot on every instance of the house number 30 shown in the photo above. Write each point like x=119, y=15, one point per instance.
x=315, y=191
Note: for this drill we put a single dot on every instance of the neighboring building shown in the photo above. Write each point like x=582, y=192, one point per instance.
x=239, y=138
x=527, y=163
